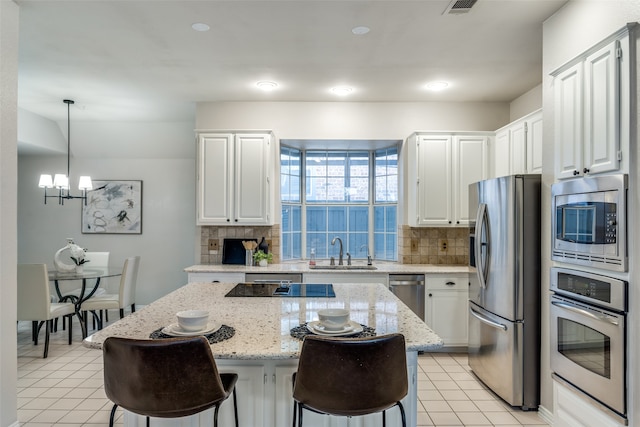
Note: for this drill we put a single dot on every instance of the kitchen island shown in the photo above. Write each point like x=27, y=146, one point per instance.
x=263, y=352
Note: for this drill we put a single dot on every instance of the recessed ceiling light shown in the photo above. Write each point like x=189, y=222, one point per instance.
x=436, y=86
x=266, y=85
x=200, y=26
x=359, y=31
x=342, y=90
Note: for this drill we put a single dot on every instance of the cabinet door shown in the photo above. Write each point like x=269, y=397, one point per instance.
x=502, y=154
x=568, y=122
x=534, y=143
x=470, y=165
x=434, y=180
x=250, y=390
x=518, y=142
x=447, y=315
x=252, y=185
x=215, y=172
x=601, y=100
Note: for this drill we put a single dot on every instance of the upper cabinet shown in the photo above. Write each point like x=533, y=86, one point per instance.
x=234, y=178
x=517, y=148
x=440, y=167
x=591, y=102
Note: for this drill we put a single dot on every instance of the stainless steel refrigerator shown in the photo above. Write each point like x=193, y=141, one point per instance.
x=504, y=287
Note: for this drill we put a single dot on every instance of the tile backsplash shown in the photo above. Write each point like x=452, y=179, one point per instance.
x=447, y=245
x=207, y=256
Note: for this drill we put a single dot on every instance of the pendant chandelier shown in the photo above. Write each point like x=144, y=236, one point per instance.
x=61, y=181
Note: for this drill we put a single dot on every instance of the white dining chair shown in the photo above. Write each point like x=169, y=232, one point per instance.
x=34, y=302
x=112, y=301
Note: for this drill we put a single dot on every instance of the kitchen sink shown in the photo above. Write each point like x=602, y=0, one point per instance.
x=343, y=267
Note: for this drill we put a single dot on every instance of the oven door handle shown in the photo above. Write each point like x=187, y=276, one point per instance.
x=487, y=321
x=584, y=312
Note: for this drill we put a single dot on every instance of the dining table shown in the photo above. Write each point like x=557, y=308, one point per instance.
x=90, y=279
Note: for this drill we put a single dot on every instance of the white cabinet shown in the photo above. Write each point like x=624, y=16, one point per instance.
x=440, y=167
x=592, y=109
x=234, y=178
x=517, y=147
x=447, y=304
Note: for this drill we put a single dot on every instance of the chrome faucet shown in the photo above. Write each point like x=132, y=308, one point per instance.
x=369, y=259
x=333, y=242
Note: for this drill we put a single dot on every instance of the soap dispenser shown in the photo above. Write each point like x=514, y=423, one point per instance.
x=263, y=246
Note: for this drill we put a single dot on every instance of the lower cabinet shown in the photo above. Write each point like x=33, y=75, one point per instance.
x=446, y=305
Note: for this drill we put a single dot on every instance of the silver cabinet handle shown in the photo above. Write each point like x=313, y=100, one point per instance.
x=487, y=321
x=584, y=312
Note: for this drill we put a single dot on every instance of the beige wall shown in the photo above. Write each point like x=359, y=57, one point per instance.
x=8, y=240
x=351, y=120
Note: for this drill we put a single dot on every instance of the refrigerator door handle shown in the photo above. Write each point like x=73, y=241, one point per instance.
x=487, y=321
x=482, y=261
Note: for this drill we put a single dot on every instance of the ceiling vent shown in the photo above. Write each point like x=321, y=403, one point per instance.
x=459, y=6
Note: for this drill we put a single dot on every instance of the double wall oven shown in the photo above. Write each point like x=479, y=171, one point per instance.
x=588, y=310
x=588, y=336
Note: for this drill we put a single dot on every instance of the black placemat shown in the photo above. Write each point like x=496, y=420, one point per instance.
x=302, y=331
x=224, y=333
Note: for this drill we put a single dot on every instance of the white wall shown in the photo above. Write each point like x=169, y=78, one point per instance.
x=162, y=155
x=352, y=120
x=526, y=103
x=572, y=30
x=8, y=137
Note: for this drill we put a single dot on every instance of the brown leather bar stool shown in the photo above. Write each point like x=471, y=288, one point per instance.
x=166, y=378
x=351, y=377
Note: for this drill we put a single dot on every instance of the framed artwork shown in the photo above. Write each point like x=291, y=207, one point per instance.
x=113, y=207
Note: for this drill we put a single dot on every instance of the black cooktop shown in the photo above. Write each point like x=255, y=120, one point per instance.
x=307, y=290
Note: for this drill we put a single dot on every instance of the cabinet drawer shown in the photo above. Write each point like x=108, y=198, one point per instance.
x=457, y=282
x=216, y=277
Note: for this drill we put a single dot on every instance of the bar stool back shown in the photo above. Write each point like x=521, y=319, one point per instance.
x=351, y=377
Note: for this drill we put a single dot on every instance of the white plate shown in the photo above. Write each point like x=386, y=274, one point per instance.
x=351, y=328
x=176, y=331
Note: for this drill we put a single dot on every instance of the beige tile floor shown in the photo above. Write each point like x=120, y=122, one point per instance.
x=65, y=390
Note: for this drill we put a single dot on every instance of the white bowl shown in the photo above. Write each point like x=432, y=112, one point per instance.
x=333, y=318
x=193, y=320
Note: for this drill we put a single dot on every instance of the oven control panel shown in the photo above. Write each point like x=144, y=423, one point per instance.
x=591, y=288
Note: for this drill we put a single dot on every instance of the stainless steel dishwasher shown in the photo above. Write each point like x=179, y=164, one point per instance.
x=409, y=288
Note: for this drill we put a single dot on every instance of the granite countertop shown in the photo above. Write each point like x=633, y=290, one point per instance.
x=303, y=267
x=262, y=325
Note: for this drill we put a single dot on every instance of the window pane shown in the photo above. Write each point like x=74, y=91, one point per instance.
x=284, y=161
x=357, y=246
x=316, y=218
x=317, y=241
x=358, y=218
x=390, y=219
x=358, y=190
x=391, y=247
x=294, y=189
x=336, y=190
x=359, y=164
x=296, y=218
x=316, y=189
x=378, y=219
x=286, y=218
x=337, y=218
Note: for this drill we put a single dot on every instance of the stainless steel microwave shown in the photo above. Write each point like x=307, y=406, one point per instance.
x=590, y=222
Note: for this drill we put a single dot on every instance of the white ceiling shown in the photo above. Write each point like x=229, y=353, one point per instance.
x=142, y=61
